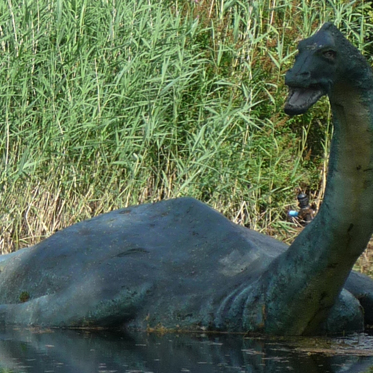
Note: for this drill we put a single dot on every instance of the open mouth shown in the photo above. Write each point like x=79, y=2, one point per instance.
x=300, y=100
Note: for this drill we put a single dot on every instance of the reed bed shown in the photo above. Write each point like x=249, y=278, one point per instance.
x=109, y=103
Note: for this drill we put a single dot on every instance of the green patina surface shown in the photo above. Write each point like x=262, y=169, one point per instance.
x=180, y=265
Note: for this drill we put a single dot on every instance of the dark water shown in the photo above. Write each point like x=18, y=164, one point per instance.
x=86, y=352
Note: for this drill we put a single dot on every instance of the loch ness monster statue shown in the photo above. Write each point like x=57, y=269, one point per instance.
x=180, y=265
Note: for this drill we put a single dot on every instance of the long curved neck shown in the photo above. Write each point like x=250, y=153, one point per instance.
x=349, y=195
x=305, y=281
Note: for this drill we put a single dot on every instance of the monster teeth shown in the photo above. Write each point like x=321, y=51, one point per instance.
x=304, y=96
x=300, y=99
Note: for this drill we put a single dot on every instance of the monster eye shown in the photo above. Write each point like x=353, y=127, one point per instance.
x=330, y=54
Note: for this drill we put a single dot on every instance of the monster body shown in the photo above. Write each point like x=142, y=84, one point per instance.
x=180, y=265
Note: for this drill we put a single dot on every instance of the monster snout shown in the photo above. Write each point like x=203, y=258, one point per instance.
x=300, y=79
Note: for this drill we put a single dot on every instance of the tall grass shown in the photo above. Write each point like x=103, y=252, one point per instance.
x=109, y=103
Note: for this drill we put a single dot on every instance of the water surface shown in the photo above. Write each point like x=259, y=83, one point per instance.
x=38, y=351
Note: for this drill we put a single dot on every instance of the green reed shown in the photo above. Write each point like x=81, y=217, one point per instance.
x=109, y=103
